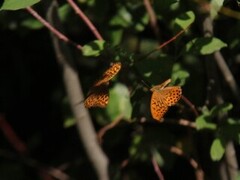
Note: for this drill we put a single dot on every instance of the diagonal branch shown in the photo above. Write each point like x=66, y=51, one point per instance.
x=74, y=91
x=53, y=29
x=85, y=19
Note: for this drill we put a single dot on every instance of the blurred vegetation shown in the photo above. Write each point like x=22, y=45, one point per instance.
x=34, y=101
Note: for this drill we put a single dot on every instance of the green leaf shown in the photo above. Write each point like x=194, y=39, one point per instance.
x=69, y=122
x=217, y=149
x=204, y=46
x=221, y=108
x=64, y=11
x=230, y=130
x=137, y=139
x=157, y=157
x=179, y=75
x=32, y=23
x=119, y=103
x=203, y=122
x=123, y=18
x=184, y=20
x=116, y=36
x=215, y=6
x=93, y=48
x=17, y=4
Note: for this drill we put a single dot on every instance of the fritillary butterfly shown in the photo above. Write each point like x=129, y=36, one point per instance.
x=163, y=97
x=99, y=94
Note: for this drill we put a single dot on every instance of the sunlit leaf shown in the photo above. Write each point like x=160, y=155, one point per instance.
x=217, y=149
x=17, y=4
x=185, y=19
x=93, y=48
x=215, y=6
x=119, y=103
x=204, y=45
x=202, y=122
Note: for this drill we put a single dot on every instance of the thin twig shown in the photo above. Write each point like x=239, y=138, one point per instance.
x=104, y=129
x=208, y=27
x=152, y=18
x=172, y=39
x=165, y=43
x=198, y=171
x=58, y=34
x=227, y=74
x=191, y=105
x=21, y=148
x=12, y=137
x=46, y=172
x=182, y=122
x=85, y=19
x=157, y=169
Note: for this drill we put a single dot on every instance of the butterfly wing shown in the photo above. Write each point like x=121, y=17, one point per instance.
x=162, y=99
x=161, y=86
x=109, y=74
x=158, y=107
x=171, y=95
x=98, y=97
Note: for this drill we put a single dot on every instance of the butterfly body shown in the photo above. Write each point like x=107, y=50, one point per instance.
x=98, y=95
x=163, y=97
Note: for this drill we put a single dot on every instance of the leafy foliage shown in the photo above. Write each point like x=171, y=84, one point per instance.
x=15, y=4
x=36, y=105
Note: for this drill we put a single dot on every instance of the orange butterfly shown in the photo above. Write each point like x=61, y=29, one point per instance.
x=99, y=94
x=163, y=97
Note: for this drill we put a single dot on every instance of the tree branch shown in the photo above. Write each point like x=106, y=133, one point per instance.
x=53, y=29
x=85, y=19
x=74, y=91
x=218, y=99
x=152, y=18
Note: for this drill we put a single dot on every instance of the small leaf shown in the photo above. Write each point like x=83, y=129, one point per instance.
x=119, y=103
x=204, y=46
x=137, y=139
x=69, y=122
x=93, y=48
x=116, y=36
x=221, y=108
x=215, y=6
x=123, y=18
x=230, y=130
x=157, y=157
x=17, y=4
x=184, y=20
x=32, y=23
x=202, y=122
x=179, y=75
x=64, y=11
x=217, y=149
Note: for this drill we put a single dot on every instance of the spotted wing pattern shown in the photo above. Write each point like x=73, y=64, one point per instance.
x=162, y=98
x=98, y=97
x=109, y=74
x=99, y=93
